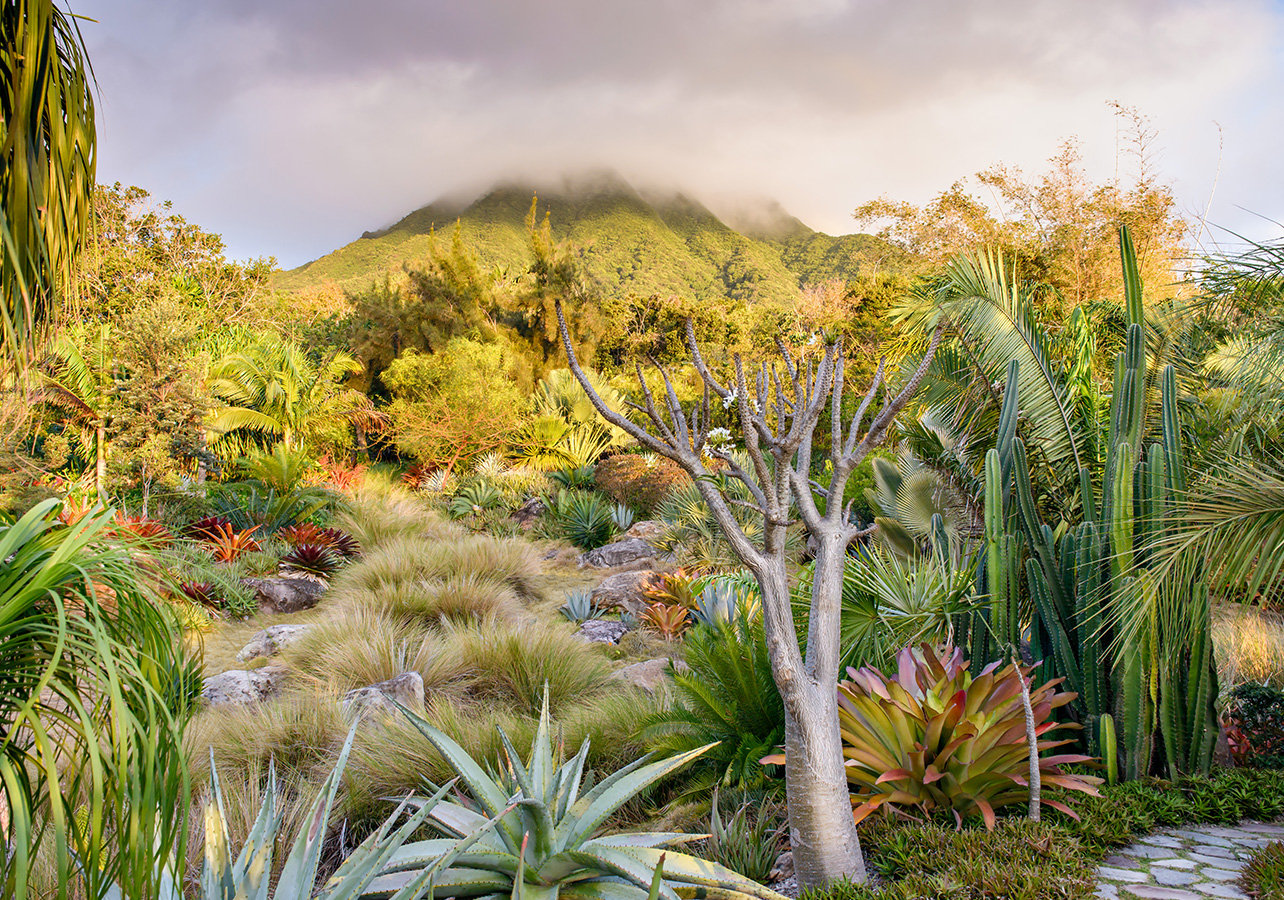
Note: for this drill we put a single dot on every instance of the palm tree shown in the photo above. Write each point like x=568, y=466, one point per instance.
x=47, y=166
x=272, y=388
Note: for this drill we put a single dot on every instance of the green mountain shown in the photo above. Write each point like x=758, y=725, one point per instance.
x=629, y=242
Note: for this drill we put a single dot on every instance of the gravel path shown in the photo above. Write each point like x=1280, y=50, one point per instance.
x=1193, y=863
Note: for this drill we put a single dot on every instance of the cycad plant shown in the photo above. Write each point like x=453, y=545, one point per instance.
x=94, y=694
x=727, y=698
x=545, y=841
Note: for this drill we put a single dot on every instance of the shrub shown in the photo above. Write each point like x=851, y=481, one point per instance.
x=728, y=696
x=584, y=519
x=935, y=738
x=639, y=481
x=1263, y=877
x=579, y=478
x=1255, y=725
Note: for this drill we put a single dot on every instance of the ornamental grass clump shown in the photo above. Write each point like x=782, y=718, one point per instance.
x=933, y=737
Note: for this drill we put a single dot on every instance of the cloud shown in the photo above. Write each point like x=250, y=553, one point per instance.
x=293, y=125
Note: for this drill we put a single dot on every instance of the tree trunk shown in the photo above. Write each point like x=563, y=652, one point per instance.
x=822, y=830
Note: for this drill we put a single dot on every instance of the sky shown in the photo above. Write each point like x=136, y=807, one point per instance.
x=292, y=126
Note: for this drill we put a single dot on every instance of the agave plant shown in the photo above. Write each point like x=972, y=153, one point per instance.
x=717, y=604
x=581, y=517
x=579, y=607
x=668, y=621
x=248, y=875
x=227, y=545
x=935, y=738
x=544, y=842
x=313, y=559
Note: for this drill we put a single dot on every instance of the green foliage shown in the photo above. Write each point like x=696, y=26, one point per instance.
x=454, y=404
x=475, y=497
x=47, y=162
x=692, y=533
x=585, y=518
x=748, y=841
x=1263, y=877
x=1024, y=860
x=78, y=611
x=1254, y=720
x=282, y=469
x=936, y=738
x=538, y=831
x=728, y=696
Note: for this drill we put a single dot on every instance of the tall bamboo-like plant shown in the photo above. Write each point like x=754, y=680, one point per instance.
x=47, y=161
x=94, y=692
x=1130, y=650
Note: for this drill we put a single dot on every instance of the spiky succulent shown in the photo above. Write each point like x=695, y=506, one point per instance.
x=579, y=607
x=717, y=604
x=935, y=737
x=203, y=592
x=544, y=842
x=227, y=544
x=314, y=559
x=339, y=541
x=149, y=531
x=206, y=528
x=667, y=621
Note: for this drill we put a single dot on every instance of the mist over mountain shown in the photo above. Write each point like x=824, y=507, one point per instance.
x=631, y=240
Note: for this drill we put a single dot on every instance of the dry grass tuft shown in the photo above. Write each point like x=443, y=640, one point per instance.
x=1249, y=646
x=379, y=512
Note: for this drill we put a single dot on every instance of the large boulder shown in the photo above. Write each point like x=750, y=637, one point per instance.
x=242, y=686
x=627, y=552
x=623, y=590
x=406, y=689
x=602, y=631
x=649, y=675
x=271, y=641
x=648, y=530
x=285, y=594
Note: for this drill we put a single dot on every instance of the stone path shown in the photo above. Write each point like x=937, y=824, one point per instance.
x=1193, y=863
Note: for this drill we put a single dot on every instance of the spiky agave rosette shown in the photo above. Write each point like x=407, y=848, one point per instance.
x=545, y=841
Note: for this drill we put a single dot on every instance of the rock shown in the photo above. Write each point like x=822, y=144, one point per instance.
x=271, y=641
x=648, y=675
x=243, y=685
x=784, y=867
x=602, y=631
x=627, y=552
x=648, y=530
x=406, y=689
x=623, y=590
x=526, y=514
x=285, y=595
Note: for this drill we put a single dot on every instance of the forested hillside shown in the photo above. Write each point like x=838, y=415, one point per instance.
x=628, y=242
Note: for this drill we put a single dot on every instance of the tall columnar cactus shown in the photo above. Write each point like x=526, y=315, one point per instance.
x=1133, y=653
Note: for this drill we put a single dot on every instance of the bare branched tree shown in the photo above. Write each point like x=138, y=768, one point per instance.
x=778, y=407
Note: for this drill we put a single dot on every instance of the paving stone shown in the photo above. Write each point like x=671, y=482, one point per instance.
x=1172, y=863
x=1145, y=851
x=1207, y=838
x=1163, y=840
x=1210, y=850
x=1228, y=891
x=1155, y=892
x=1173, y=877
x=1259, y=828
x=1118, y=861
x=1107, y=891
x=1218, y=862
x=1127, y=875
x=1218, y=874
